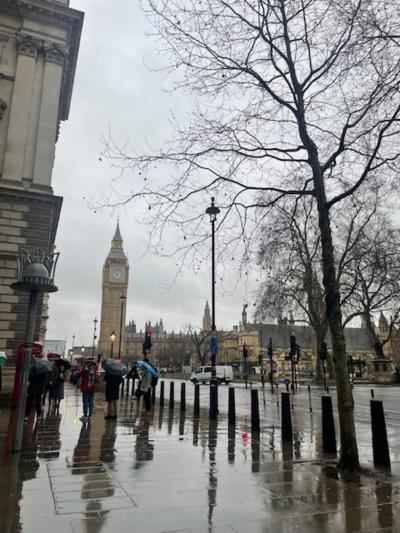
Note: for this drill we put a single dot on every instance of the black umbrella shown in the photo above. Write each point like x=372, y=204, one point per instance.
x=62, y=362
x=40, y=366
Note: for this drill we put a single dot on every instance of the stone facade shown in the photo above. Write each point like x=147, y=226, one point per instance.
x=39, y=44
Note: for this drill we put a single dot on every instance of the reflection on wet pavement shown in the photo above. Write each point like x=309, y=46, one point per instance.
x=168, y=471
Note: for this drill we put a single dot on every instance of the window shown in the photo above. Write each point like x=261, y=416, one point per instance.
x=207, y=369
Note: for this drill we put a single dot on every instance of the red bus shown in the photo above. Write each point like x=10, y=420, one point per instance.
x=37, y=351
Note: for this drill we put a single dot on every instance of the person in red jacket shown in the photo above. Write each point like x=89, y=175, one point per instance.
x=88, y=386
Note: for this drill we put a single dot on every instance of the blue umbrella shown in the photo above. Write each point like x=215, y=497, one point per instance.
x=148, y=368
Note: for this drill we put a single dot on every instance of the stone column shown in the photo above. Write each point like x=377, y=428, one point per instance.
x=48, y=117
x=27, y=48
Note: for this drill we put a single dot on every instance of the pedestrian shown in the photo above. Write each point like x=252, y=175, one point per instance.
x=36, y=388
x=57, y=387
x=112, y=394
x=145, y=387
x=87, y=375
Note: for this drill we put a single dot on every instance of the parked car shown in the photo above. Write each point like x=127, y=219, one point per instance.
x=204, y=373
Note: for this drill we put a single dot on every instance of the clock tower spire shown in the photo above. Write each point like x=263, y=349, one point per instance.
x=114, y=291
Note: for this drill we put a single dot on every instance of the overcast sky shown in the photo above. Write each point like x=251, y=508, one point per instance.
x=114, y=90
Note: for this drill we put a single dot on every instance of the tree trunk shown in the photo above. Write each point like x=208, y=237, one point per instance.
x=348, y=450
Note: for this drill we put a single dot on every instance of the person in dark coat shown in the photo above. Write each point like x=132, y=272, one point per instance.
x=36, y=388
x=112, y=395
x=57, y=387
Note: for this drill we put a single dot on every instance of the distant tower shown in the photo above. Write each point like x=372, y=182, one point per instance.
x=207, y=318
x=383, y=326
x=244, y=316
x=115, y=285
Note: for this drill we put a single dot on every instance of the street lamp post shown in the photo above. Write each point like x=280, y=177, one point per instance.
x=112, y=339
x=122, y=298
x=36, y=269
x=213, y=211
x=94, y=336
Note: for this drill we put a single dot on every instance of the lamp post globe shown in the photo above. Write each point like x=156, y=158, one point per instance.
x=112, y=339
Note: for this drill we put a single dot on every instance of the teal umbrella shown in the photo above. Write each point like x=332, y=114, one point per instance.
x=114, y=367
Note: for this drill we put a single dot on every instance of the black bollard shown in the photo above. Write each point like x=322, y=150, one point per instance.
x=231, y=406
x=133, y=387
x=327, y=389
x=287, y=431
x=309, y=397
x=183, y=396
x=380, y=446
x=196, y=407
x=328, y=425
x=255, y=414
x=171, y=395
x=153, y=394
x=372, y=393
x=147, y=400
x=213, y=413
x=277, y=394
x=162, y=394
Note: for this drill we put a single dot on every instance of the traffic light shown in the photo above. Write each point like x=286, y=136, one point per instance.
x=298, y=352
x=245, y=351
x=293, y=345
x=270, y=351
x=323, y=353
x=147, y=343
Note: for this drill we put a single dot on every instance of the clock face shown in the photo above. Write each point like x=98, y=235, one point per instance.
x=116, y=274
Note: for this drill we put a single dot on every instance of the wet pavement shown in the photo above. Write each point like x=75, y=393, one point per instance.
x=169, y=471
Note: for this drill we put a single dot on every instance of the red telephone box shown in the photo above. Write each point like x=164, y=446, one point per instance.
x=37, y=351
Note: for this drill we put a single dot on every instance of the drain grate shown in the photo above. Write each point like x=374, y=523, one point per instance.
x=86, y=487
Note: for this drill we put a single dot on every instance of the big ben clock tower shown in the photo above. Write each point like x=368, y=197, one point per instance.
x=113, y=304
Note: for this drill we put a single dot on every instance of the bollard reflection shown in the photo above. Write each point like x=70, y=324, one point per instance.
x=196, y=423
x=384, y=498
x=182, y=424
x=255, y=452
x=231, y=444
x=212, y=471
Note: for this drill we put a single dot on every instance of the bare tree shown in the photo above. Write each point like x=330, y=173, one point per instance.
x=290, y=255
x=201, y=342
x=295, y=98
x=372, y=278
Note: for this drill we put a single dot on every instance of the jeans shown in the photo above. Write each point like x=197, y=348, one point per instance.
x=87, y=398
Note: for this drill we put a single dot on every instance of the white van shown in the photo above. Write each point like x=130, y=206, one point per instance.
x=204, y=373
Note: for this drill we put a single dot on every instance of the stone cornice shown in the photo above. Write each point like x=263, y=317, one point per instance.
x=66, y=17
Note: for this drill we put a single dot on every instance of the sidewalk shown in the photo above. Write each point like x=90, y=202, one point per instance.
x=170, y=472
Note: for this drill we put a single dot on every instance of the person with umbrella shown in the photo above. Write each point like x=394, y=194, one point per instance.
x=87, y=373
x=38, y=378
x=147, y=372
x=57, y=383
x=114, y=372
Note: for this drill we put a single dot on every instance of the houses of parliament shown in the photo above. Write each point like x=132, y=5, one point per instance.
x=183, y=348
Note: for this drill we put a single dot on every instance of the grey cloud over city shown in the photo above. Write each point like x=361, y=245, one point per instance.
x=116, y=92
